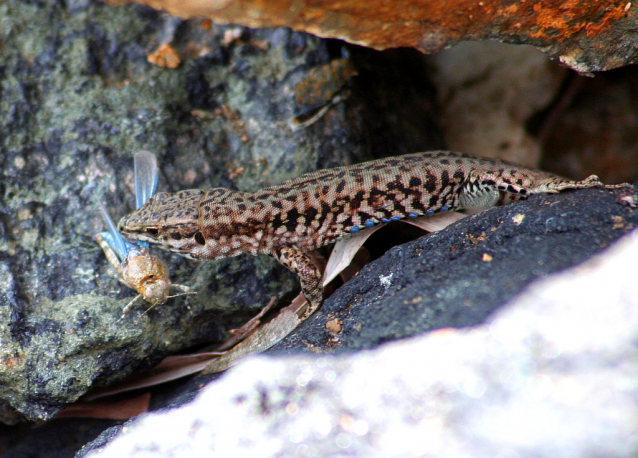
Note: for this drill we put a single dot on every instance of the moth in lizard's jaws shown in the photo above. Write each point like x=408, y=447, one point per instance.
x=137, y=267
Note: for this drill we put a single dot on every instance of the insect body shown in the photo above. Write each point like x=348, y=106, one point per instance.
x=137, y=267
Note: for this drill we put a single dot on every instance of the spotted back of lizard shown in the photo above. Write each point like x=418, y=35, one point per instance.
x=319, y=207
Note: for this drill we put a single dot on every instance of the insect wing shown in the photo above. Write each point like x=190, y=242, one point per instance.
x=114, y=238
x=146, y=176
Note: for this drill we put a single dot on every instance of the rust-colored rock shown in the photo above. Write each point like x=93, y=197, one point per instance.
x=585, y=35
x=164, y=56
x=322, y=83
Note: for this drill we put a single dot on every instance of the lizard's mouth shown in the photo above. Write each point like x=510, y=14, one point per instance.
x=150, y=235
x=167, y=240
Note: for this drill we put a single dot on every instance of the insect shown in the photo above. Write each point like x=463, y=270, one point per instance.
x=136, y=265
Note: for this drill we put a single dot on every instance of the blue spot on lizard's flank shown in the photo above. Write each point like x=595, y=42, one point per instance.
x=369, y=223
x=395, y=218
x=429, y=212
x=413, y=215
x=385, y=220
x=445, y=208
x=354, y=229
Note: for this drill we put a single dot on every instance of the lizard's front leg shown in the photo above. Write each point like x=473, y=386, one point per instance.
x=309, y=275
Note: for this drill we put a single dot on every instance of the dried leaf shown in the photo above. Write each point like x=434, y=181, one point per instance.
x=241, y=333
x=165, y=56
x=344, y=251
x=346, y=248
x=262, y=339
x=361, y=258
x=171, y=368
x=120, y=410
x=435, y=222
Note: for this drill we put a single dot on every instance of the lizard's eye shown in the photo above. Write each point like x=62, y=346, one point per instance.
x=151, y=231
x=199, y=238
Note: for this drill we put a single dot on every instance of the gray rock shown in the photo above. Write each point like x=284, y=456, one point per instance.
x=552, y=374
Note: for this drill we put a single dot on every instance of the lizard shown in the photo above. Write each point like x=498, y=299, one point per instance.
x=310, y=211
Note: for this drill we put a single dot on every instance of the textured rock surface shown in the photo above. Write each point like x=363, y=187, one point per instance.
x=78, y=99
x=586, y=36
x=593, y=125
x=551, y=375
x=487, y=91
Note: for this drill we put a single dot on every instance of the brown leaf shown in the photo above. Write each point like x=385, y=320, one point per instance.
x=120, y=410
x=346, y=248
x=241, y=333
x=262, y=339
x=171, y=368
x=344, y=251
x=435, y=222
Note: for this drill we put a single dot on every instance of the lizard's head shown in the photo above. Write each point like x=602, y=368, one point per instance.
x=168, y=221
x=196, y=224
